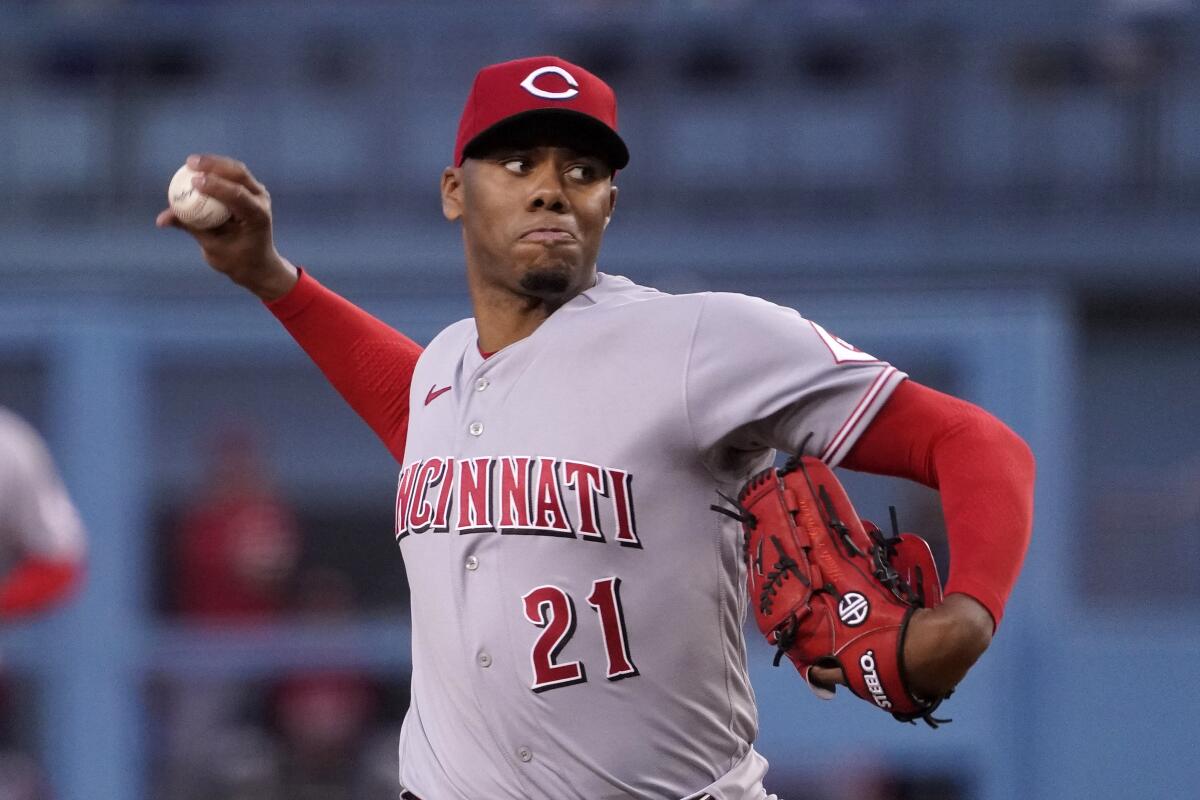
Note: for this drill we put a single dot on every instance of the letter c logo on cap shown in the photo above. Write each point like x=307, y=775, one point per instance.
x=528, y=83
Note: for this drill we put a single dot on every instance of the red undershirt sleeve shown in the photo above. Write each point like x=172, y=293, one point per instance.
x=369, y=363
x=36, y=583
x=983, y=471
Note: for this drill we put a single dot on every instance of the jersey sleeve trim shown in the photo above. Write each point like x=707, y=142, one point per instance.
x=864, y=411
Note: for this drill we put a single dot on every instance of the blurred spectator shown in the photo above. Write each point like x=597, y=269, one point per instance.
x=323, y=716
x=235, y=550
x=42, y=541
x=238, y=543
x=314, y=734
x=323, y=719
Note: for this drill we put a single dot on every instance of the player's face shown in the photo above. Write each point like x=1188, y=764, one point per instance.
x=533, y=217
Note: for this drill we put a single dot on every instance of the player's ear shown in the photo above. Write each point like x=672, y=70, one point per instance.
x=612, y=205
x=452, y=207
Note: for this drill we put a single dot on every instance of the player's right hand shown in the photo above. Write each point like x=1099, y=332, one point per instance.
x=241, y=248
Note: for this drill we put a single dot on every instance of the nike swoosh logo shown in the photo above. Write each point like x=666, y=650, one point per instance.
x=434, y=395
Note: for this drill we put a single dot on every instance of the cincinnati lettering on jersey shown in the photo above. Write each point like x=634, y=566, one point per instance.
x=534, y=495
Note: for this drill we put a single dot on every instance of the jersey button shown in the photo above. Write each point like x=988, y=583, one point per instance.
x=482, y=384
x=525, y=754
x=475, y=428
x=472, y=563
x=485, y=660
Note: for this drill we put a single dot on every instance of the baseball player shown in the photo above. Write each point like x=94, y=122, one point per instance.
x=42, y=540
x=577, y=607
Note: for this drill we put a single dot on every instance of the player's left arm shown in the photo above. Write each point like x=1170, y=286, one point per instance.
x=985, y=475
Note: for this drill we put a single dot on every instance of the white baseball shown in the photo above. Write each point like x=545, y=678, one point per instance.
x=192, y=207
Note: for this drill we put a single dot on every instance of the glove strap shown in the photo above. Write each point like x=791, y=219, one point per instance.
x=874, y=668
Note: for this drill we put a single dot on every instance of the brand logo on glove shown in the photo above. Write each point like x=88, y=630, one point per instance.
x=853, y=609
x=871, y=678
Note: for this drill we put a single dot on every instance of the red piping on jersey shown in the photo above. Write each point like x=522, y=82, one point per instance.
x=863, y=403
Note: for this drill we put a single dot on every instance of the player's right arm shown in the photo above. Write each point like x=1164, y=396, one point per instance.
x=243, y=249
x=368, y=362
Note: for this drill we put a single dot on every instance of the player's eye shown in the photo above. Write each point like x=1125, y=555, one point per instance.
x=581, y=172
x=516, y=165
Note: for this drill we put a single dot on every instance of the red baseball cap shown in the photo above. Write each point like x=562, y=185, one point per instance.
x=537, y=95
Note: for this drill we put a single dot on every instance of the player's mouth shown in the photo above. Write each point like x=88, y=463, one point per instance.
x=547, y=236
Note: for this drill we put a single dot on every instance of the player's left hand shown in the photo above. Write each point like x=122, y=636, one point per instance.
x=942, y=644
x=847, y=604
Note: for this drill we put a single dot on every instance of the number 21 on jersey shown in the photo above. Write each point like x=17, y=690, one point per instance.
x=552, y=609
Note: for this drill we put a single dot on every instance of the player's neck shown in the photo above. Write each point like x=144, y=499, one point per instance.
x=497, y=331
x=502, y=317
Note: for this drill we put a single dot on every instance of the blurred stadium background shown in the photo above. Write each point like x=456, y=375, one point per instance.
x=999, y=197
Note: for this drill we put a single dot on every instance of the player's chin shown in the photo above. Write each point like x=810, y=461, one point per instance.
x=550, y=281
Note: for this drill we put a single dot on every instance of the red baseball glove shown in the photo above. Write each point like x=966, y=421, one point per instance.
x=828, y=589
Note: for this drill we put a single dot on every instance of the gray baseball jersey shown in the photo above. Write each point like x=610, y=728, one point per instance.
x=37, y=517
x=577, y=608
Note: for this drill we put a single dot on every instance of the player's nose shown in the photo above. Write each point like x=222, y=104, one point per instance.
x=548, y=192
x=550, y=202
